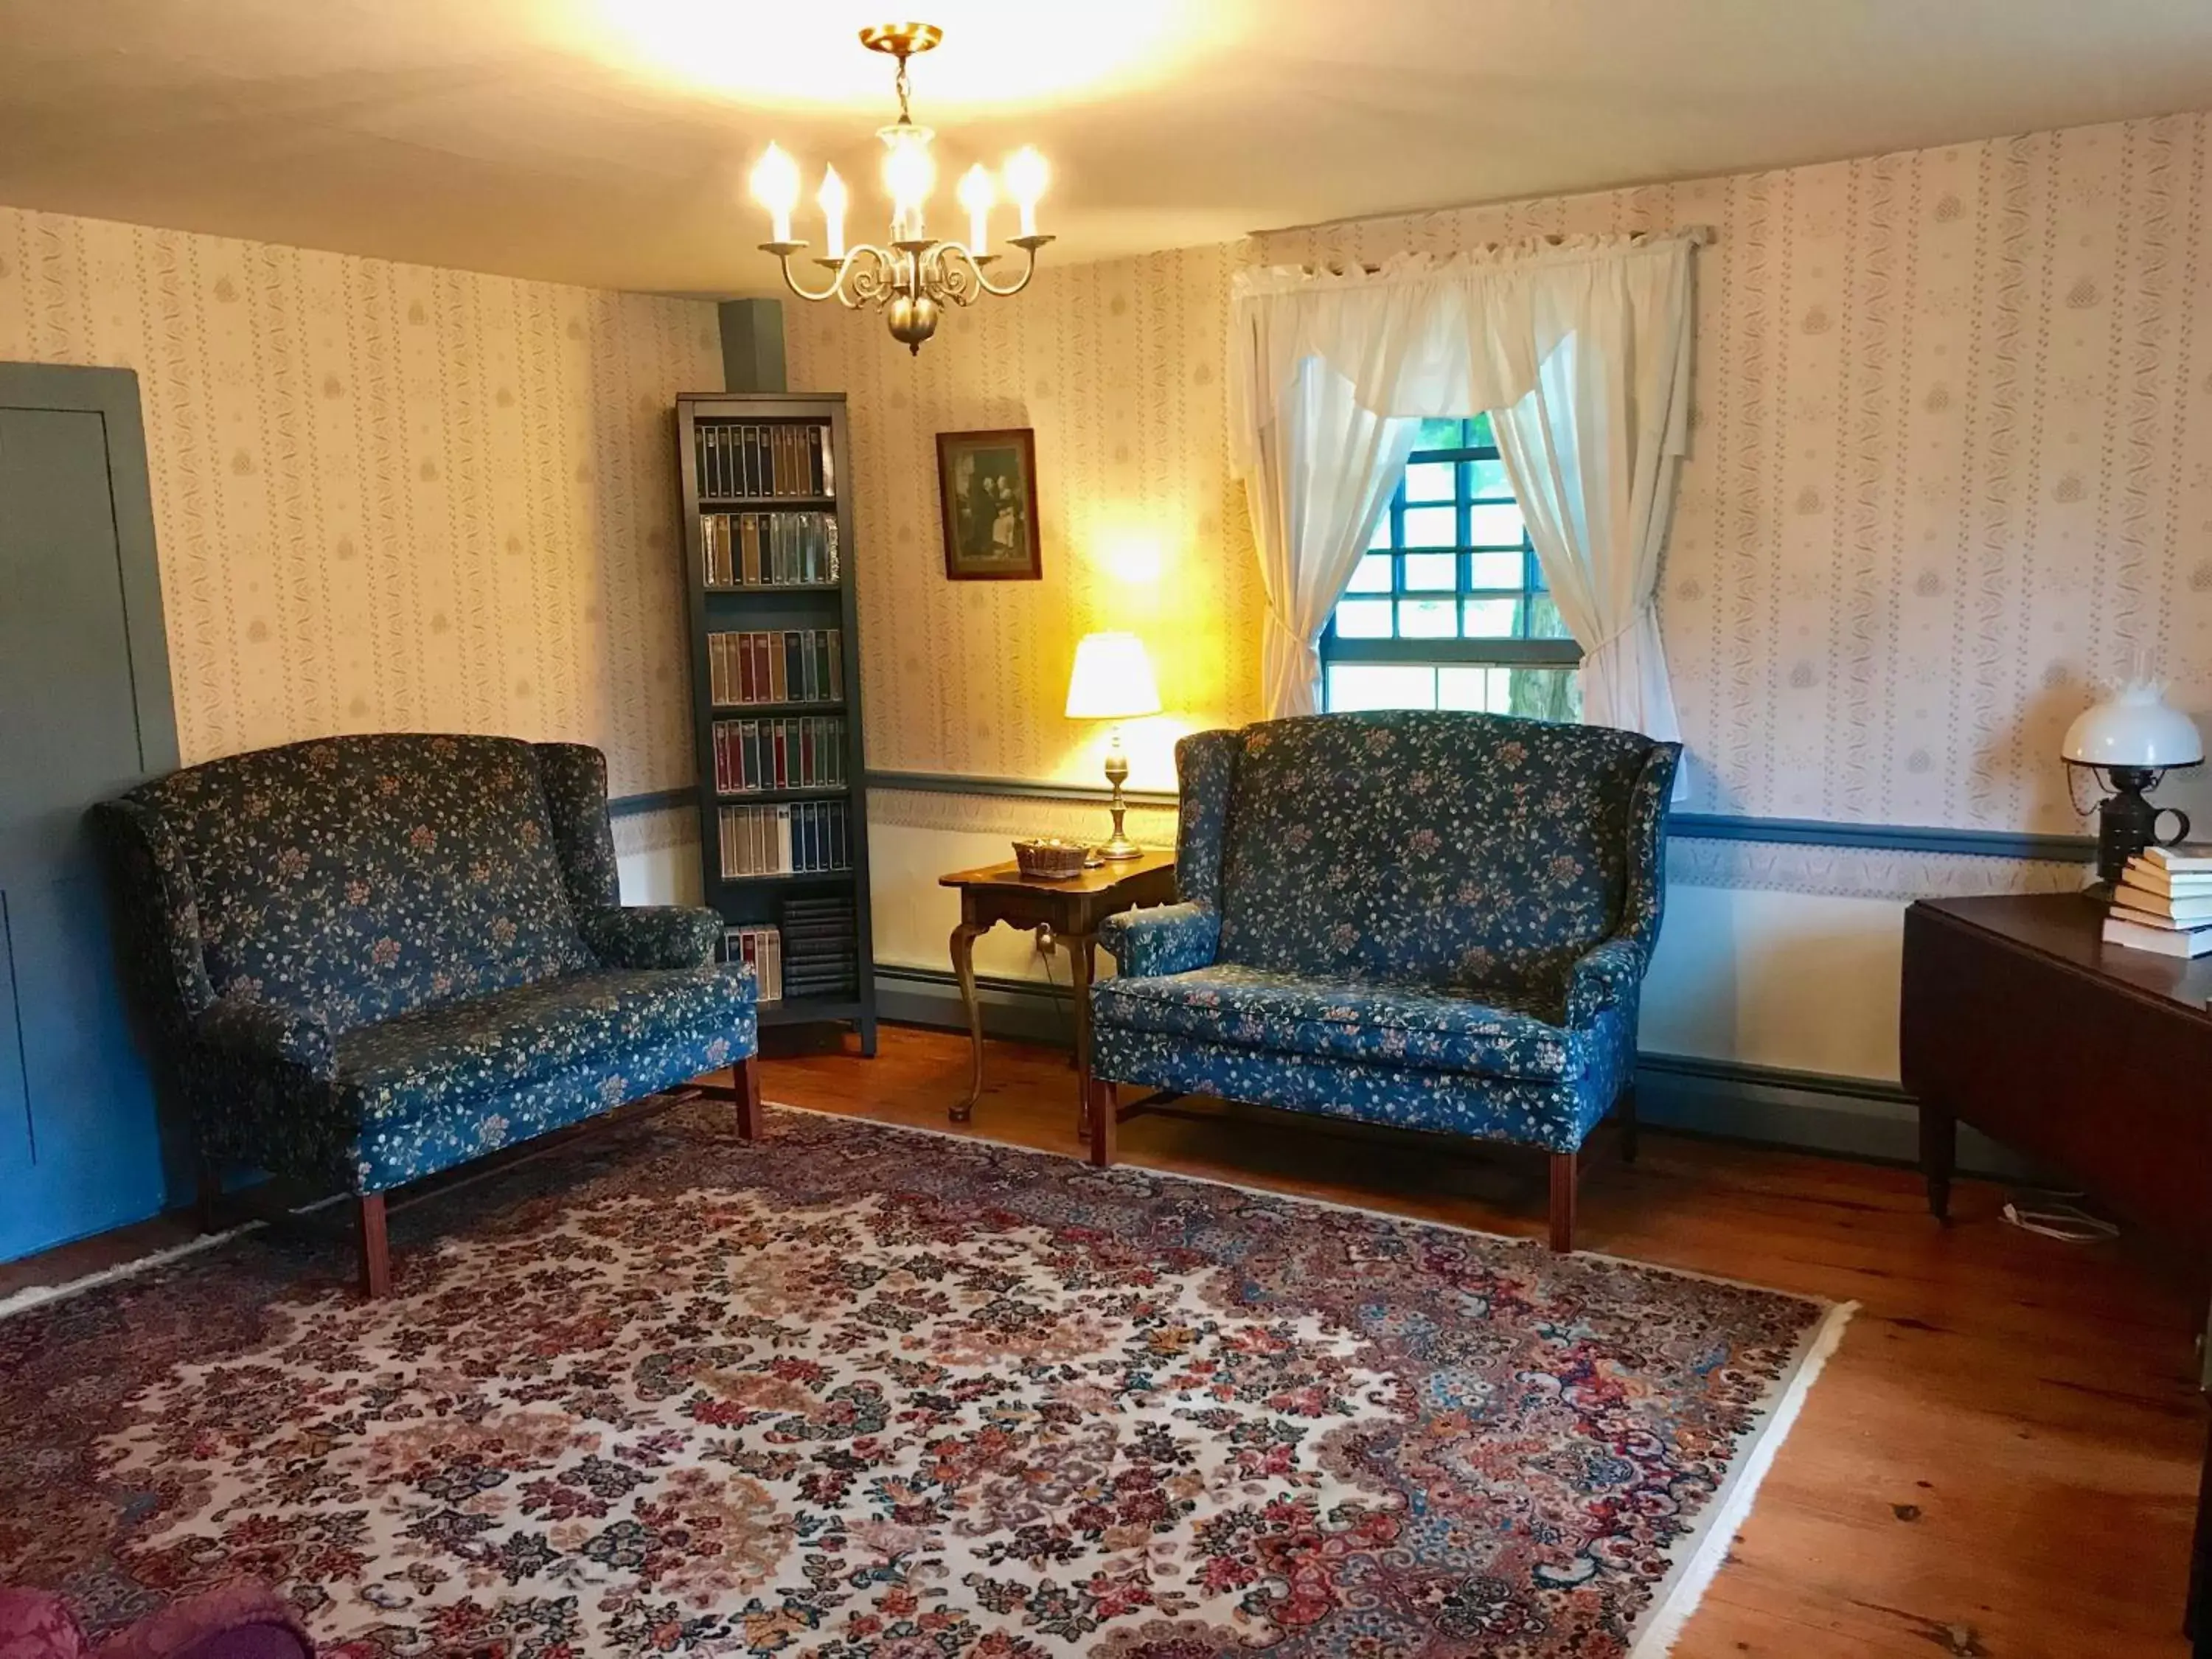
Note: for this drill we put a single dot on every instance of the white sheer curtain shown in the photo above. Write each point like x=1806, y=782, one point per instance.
x=1580, y=352
x=1327, y=471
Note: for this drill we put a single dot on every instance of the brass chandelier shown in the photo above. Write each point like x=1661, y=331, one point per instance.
x=915, y=277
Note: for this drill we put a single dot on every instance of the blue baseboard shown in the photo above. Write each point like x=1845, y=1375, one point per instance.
x=1865, y=1118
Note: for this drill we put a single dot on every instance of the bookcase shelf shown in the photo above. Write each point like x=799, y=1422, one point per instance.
x=769, y=572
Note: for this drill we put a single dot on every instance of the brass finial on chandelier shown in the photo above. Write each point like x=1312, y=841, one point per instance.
x=914, y=278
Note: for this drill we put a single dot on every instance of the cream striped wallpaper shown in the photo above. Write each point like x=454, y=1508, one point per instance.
x=389, y=496
x=1952, y=461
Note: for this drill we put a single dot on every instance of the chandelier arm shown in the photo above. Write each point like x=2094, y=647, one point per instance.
x=871, y=283
x=975, y=274
x=783, y=250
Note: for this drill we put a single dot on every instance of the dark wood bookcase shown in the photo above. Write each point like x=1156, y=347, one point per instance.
x=775, y=696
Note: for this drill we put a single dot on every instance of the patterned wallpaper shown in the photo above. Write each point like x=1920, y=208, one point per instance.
x=1118, y=367
x=1951, y=460
x=389, y=496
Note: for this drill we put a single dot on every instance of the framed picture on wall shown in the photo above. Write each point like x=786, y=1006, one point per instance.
x=986, y=483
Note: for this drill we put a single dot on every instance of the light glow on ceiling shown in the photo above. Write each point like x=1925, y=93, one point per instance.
x=1006, y=55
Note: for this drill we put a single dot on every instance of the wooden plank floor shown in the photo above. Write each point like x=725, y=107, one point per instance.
x=2001, y=1460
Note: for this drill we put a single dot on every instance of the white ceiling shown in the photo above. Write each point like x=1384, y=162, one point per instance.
x=606, y=141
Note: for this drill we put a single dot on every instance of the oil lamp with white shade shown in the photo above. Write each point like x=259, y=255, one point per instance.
x=2129, y=742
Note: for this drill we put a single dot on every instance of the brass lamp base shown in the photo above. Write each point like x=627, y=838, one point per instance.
x=1118, y=846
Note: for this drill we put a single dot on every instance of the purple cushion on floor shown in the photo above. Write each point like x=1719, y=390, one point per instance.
x=245, y=1621
x=254, y=1641
x=36, y=1626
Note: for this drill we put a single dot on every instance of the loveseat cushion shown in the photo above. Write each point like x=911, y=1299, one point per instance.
x=433, y=1060
x=1290, y=1013
x=367, y=877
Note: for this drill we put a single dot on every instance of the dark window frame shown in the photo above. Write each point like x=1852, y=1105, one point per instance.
x=1521, y=651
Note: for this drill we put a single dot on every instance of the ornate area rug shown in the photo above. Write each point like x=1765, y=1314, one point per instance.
x=867, y=1393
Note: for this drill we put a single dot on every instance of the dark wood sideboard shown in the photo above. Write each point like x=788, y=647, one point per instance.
x=2017, y=1017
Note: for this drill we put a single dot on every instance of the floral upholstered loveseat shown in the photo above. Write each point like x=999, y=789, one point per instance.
x=1432, y=920
x=367, y=959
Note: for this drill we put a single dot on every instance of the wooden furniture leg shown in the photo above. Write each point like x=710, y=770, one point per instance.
x=1627, y=1109
x=207, y=1197
x=1082, y=963
x=745, y=1074
x=375, y=1248
x=1103, y=1109
x=1566, y=1167
x=963, y=970
x=1939, y=1151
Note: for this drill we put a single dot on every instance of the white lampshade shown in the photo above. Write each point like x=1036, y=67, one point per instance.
x=1113, y=679
x=2135, y=726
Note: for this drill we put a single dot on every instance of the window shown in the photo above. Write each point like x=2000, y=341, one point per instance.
x=1447, y=608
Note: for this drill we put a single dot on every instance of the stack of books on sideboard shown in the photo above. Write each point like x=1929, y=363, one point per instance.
x=2163, y=902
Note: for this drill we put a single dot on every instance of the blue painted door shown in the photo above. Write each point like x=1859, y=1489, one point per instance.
x=84, y=713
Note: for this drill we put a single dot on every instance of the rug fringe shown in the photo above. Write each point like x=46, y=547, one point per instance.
x=1678, y=1598
x=37, y=1296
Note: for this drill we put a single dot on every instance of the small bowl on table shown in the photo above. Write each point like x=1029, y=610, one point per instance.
x=1051, y=860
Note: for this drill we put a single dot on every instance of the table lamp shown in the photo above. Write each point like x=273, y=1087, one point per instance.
x=1113, y=680
x=2132, y=737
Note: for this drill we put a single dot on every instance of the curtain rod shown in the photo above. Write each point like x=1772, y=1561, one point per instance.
x=1696, y=235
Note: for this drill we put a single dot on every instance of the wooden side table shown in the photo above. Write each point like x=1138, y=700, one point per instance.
x=1072, y=910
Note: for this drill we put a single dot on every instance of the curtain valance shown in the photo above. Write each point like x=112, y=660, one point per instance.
x=1422, y=335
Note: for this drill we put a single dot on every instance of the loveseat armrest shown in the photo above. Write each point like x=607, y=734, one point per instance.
x=261, y=1033
x=1168, y=939
x=1605, y=977
x=652, y=935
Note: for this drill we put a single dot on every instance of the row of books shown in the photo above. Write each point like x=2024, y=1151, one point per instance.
x=769, y=550
x=2163, y=901
x=802, y=751
x=762, y=949
x=741, y=459
x=784, y=665
x=820, y=947
x=815, y=953
x=792, y=838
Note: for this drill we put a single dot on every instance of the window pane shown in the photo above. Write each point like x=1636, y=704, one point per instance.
x=1430, y=571
x=1498, y=525
x=1437, y=434
x=1363, y=619
x=1478, y=433
x=1371, y=576
x=1428, y=619
x=1356, y=685
x=1381, y=536
x=1437, y=526
x=1544, y=619
x=1492, y=619
x=1542, y=694
x=1485, y=481
x=1429, y=481
x=1496, y=570
x=1481, y=690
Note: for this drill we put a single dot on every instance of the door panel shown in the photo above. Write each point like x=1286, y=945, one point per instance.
x=84, y=1151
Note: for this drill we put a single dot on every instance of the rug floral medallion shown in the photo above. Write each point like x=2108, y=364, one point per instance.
x=863, y=1394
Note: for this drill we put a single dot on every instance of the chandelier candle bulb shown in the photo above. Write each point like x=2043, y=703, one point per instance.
x=1026, y=176
x=908, y=174
x=976, y=195
x=775, y=187
x=833, y=199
